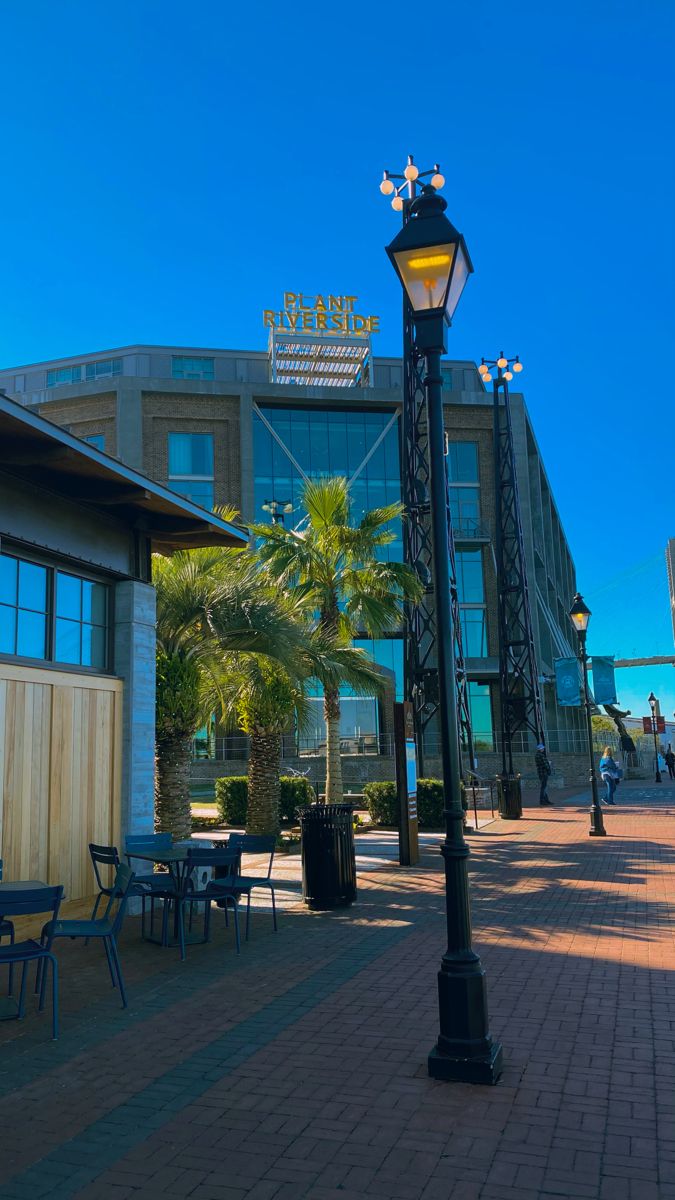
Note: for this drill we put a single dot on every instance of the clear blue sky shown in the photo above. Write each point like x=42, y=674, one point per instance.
x=170, y=169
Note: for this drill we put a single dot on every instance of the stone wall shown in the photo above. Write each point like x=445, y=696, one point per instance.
x=569, y=770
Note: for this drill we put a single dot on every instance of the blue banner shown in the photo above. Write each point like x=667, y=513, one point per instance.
x=567, y=682
x=604, y=686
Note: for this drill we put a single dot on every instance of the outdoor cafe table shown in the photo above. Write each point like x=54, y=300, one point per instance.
x=180, y=872
x=9, y=1008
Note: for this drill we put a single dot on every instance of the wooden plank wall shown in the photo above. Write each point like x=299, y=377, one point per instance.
x=60, y=773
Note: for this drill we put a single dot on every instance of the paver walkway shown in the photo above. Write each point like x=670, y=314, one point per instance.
x=298, y=1069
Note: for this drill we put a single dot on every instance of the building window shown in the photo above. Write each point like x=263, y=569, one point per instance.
x=471, y=595
x=191, y=466
x=81, y=628
x=463, y=462
x=95, y=439
x=474, y=632
x=64, y=375
x=446, y=373
x=52, y=615
x=191, y=368
x=480, y=707
x=103, y=369
x=470, y=576
x=464, y=492
x=23, y=608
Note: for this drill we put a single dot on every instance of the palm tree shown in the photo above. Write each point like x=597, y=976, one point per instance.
x=229, y=641
x=210, y=605
x=331, y=568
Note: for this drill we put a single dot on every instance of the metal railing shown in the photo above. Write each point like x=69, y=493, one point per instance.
x=558, y=741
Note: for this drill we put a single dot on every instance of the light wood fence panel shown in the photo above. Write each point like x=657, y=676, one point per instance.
x=60, y=769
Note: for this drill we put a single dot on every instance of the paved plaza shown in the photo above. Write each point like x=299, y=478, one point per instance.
x=298, y=1069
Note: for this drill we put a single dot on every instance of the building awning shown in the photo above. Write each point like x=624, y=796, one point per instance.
x=37, y=451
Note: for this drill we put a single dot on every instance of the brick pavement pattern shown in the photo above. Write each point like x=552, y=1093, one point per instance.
x=298, y=1069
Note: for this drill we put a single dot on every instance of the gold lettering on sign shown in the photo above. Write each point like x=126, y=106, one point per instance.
x=321, y=313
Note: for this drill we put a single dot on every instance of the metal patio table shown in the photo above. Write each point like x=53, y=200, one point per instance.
x=177, y=861
x=9, y=1007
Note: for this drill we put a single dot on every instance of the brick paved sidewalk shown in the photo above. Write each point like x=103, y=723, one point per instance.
x=298, y=1069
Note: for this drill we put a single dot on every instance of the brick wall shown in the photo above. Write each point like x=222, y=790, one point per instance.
x=86, y=416
x=179, y=413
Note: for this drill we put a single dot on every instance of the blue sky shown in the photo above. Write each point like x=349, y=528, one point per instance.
x=170, y=170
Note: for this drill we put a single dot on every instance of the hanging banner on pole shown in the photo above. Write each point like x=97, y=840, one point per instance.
x=604, y=685
x=567, y=682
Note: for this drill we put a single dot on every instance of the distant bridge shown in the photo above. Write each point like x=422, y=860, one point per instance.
x=658, y=660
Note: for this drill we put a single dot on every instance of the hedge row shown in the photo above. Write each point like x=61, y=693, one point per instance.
x=232, y=797
x=383, y=806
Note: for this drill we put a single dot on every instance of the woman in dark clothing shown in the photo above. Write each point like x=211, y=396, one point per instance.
x=610, y=774
x=670, y=761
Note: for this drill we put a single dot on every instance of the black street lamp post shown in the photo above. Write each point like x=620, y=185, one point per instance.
x=432, y=262
x=652, y=704
x=581, y=615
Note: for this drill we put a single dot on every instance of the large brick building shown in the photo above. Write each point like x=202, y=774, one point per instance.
x=228, y=427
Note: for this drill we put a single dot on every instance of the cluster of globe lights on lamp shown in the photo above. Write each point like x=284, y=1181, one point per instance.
x=502, y=363
x=411, y=175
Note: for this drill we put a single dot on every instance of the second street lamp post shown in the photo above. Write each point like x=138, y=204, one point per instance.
x=581, y=615
x=432, y=262
x=652, y=704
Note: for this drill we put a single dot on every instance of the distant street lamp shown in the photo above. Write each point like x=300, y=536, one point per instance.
x=433, y=264
x=278, y=509
x=652, y=704
x=581, y=615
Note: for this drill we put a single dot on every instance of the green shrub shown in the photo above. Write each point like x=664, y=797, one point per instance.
x=430, y=803
x=295, y=792
x=231, y=798
x=382, y=803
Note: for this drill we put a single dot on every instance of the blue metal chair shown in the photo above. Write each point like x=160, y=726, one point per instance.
x=7, y=930
x=255, y=843
x=24, y=902
x=106, y=927
x=158, y=884
x=152, y=887
x=221, y=889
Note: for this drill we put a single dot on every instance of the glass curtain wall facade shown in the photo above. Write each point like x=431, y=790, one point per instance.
x=363, y=447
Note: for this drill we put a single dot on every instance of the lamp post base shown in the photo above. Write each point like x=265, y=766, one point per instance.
x=509, y=797
x=464, y=1050
x=466, y=1070
x=597, y=828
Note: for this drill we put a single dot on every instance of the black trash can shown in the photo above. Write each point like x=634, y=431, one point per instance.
x=328, y=857
x=509, y=797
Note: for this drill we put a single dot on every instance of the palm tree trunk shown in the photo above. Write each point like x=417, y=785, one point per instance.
x=172, y=787
x=264, y=766
x=331, y=712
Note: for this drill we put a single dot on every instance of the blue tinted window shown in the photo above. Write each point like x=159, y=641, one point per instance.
x=23, y=607
x=183, y=367
x=481, y=714
x=96, y=439
x=62, y=375
x=474, y=632
x=470, y=576
x=106, y=367
x=191, y=454
x=81, y=627
x=463, y=462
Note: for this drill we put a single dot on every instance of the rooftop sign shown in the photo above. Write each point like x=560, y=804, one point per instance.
x=333, y=315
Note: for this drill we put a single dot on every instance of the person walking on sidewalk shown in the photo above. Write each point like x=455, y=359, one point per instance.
x=610, y=774
x=544, y=769
x=670, y=761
